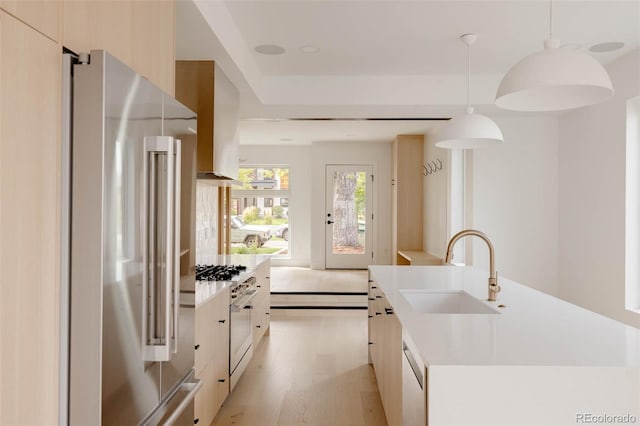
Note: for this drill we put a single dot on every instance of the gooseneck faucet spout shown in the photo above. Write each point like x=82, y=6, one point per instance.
x=494, y=288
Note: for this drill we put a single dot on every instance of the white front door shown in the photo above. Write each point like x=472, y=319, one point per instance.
x=349, y=217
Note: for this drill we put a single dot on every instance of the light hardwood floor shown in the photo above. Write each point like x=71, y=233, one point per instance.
x=311, y=370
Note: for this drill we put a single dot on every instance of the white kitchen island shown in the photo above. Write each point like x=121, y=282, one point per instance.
x=537, y=361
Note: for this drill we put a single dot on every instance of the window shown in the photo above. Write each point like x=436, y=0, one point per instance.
x=260, y=209
x=632, y=207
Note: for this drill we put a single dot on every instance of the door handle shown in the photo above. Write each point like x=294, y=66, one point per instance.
x=329, y=222
x=156, y=331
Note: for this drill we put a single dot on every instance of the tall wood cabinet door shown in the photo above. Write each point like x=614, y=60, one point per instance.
x=154, y=42
x=29, y=220
x=98, y=24
x=203, y=403
x=40, y=14
x=393, y=370
x=204, y=336
x=221, y=352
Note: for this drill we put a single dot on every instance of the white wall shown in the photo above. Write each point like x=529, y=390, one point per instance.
x=515, y=201
x=592, y=198
x=377, y=154
x=298, y=158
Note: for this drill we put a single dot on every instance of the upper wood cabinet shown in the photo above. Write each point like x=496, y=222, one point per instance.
x=96, y=24
x=138, y=32
x=154, y=42
x=407, y=193
x=203, y=87
x=29, y=224
x=39, y=14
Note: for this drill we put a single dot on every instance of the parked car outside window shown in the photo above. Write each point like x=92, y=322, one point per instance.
x=249, y=235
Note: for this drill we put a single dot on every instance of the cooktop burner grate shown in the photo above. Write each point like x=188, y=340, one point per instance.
x=218, y=272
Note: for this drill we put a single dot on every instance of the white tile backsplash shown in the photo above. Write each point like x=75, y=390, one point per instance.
x=206, y=222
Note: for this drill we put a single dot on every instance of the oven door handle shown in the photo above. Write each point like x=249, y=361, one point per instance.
x=243, y=302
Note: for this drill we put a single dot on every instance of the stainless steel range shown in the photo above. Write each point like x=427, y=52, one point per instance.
x=242, y=290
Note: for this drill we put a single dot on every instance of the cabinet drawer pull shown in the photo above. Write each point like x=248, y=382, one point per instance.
x=258, y=326
x=221, y=380
x=196, y=421
x=372, y=298
x=373, y=286
x=371, y=343
x=259, y=286
x=197, y=347
x=378, y=297
x=267, y=313
x=221, y=321
x=370, y=281
x=378, y=313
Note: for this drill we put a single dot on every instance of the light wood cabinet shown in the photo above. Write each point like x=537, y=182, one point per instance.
x=392, y=361
x=203, y=412
x=99, y=24
x=261, y=312
x=29, y=223
x=407, y=195
x=212, y=356
x=385, y=352
x=154, y=42
x=141, y=33
x=42, y=15
x=220, y=360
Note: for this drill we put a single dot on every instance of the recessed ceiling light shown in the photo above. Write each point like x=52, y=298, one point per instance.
x=609, y=46
x=309, y=49
x=269, y=49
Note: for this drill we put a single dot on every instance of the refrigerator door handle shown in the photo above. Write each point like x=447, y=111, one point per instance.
x=193, y=387
x=156, y=339
x=176, y=254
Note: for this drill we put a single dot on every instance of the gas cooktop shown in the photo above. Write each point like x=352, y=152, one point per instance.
x=218, y=272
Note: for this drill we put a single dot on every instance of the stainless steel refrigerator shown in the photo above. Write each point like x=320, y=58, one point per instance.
x=131, y=351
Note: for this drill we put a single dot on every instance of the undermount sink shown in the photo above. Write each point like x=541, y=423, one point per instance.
x=446, y=302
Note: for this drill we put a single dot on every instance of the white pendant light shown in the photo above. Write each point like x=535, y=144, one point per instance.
x=554, y=79
x=469, y=130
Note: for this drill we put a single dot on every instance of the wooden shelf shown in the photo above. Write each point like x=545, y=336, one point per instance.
x=417, y=257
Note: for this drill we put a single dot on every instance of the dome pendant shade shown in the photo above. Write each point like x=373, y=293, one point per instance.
x=554, y=79
x=469, y=131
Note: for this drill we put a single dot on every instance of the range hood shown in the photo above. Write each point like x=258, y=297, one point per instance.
x=214, y=176
x=203, y=87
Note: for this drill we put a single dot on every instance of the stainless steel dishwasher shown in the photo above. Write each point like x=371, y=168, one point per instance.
x=414, y=385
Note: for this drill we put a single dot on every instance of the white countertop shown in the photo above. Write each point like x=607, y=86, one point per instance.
x=206, y=290
x=534, y=329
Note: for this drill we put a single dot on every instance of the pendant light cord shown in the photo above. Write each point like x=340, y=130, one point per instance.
x=550, y=19
x=468, y=75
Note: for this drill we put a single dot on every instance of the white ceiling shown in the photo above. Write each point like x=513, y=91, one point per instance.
x=379, y=58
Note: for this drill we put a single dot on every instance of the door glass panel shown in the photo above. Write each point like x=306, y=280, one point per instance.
x=349, y=212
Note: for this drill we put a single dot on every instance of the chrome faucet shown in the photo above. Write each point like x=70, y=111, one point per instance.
x=494, y=288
